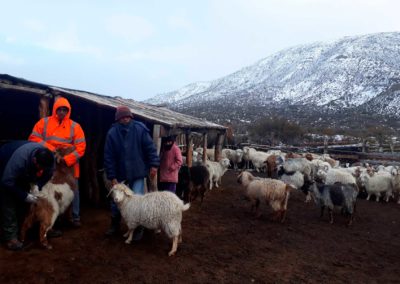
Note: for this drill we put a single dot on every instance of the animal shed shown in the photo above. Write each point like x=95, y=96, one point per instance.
x=24, y=102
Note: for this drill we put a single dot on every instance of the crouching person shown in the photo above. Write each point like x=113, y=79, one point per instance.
x=129, y=154
x=21, y=163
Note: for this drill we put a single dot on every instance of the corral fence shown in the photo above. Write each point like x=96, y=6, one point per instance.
x=345, y=153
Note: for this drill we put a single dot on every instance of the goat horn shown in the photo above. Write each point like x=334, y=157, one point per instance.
x=109, y=192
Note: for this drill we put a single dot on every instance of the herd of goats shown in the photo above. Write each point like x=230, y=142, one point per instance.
x=320, y=177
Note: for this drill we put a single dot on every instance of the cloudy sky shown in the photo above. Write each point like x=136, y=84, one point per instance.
x=137, y=49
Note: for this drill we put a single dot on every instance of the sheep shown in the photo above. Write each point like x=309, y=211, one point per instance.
x=336, y=175
x=292, y=155
x=321, y=165
x=259, y=159
x=217, y=170
x=389, y=169
x=235, y=156
x=296, y=181
x=298, y=164
x=274, y=192
x=272, y=163
x=199, y=181
x=338, y=194
x=154, y=210
x=183, y=185
x=210, y=154
x=377, y=184
x=195, y=158
x=248, y=153
x=396, y=185
x=53, y=200
x=192, y=182
x=332, y=162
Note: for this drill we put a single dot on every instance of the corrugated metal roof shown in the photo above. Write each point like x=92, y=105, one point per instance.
x=155, y=114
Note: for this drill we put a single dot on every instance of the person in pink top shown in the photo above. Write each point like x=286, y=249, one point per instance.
x=170, y=163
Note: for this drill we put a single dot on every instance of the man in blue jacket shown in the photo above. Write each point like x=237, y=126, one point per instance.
x=129, y=155
x=21, y=163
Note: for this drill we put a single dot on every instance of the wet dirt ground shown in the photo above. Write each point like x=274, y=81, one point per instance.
x=223, y=243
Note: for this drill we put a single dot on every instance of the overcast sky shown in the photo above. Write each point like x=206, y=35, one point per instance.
x=137, y=49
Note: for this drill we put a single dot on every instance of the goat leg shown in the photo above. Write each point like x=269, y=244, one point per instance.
x=44, y=228
x=130, y=235
x=283, y=215
x=330, y=215
x=350, y=220
x=174, y=246
x=352, y=215
x=28, y=222
x=180, y=236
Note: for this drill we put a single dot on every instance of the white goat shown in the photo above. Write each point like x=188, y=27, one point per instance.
x=235, y=156
x=248, y=153
x=396, y=186
x=259, y=159
x=301, y=165
x=296, y=181
x=336, y=175
x=377, y=184
x=154, y=210
x=217, y=170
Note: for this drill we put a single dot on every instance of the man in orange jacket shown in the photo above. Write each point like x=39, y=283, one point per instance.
x=59, y=131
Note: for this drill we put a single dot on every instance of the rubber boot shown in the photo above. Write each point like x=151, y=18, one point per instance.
x=115, y=226
x=138, y=233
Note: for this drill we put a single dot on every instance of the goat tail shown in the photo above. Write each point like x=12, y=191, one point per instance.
x=186, y=207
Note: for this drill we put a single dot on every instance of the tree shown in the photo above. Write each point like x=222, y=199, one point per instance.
x=274, y=130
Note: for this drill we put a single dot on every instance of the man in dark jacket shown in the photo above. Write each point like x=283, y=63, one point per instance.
x=21, y=163
x=129, y=155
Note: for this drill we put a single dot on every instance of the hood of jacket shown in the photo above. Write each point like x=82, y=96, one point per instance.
x=61, y=102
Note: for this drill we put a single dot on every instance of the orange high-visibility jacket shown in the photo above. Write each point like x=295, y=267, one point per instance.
x=52, y=134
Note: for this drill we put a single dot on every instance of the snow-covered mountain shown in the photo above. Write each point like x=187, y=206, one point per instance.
x=360, y=73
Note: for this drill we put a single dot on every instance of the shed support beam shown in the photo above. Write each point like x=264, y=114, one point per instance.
x=44, y=109
x=189, y=149
x=157, y=141
x=204, y=158
x=218, y=146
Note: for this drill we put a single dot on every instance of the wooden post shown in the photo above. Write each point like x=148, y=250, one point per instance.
x=44, y=107
x=326, y=144
x=157, y=141
x=204, y=158
x=157, y=137
x=218, y=146
x=189, y=149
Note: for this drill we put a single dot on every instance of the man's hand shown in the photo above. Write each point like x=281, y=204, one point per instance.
x=30, y=198
x=59, y=159
x=153, y=172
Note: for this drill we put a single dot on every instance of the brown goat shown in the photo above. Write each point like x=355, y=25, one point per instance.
x=54, y=199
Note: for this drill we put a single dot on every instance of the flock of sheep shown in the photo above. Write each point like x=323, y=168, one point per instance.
x=320, y=177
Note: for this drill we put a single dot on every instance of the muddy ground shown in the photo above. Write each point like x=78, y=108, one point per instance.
x=223, y=243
